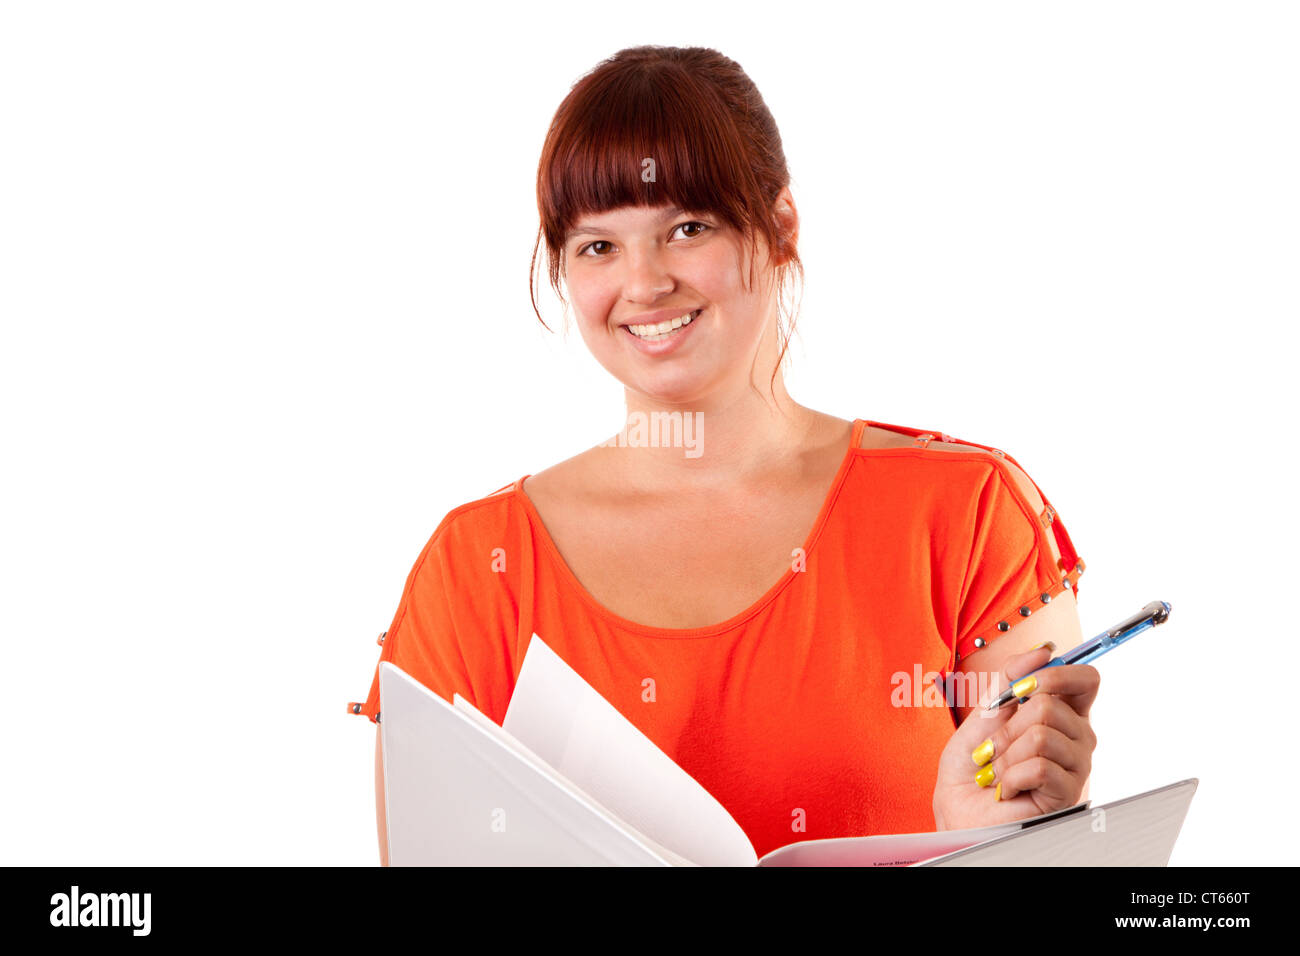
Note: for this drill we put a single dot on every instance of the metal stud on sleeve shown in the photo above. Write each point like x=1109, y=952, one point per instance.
x=1003, y=626
x=1024, y=612
x=980, y=642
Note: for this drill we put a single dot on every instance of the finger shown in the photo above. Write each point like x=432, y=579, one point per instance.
x=1051, y=785
x=1076, y=684
x=1051, y=710
x=997, y=682
x=1018, y=665
x=985, y=732
x=1045, y=711
x=1039, y=740
x=986, y=736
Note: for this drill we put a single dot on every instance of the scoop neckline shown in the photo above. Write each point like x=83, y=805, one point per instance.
x=731, y=623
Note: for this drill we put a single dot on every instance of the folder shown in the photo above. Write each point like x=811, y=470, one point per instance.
x=567, y=780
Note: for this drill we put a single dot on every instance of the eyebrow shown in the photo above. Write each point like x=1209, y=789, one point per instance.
x=585, y=228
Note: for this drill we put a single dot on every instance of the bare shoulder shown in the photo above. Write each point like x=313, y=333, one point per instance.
x=566, y=483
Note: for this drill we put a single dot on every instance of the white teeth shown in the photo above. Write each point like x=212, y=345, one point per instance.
x=662, y=329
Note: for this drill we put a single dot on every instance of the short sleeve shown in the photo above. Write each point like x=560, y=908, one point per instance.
x=422, y=639
x=1012, y=571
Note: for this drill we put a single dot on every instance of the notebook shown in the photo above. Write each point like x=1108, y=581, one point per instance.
x=566, y=780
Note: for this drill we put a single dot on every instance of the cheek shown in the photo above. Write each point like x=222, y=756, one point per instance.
x=721, y=276
x=592, y=300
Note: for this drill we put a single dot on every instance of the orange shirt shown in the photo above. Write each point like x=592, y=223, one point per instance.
x=806, y=715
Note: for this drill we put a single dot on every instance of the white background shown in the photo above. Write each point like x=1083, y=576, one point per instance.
x=263, y=283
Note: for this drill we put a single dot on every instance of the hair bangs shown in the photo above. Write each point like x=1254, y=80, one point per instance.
x=646, y=142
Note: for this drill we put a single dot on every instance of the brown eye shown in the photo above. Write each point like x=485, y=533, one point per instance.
x=592, y=245
x=700, y=229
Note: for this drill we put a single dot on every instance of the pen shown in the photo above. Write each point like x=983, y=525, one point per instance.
x=1157, y=612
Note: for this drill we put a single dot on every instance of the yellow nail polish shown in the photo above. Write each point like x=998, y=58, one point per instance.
x=985, y=776
x=1047, y=644
x=983, y=753
x=997, y=794
x=1025, y=686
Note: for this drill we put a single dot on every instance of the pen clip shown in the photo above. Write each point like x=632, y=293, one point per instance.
x=1157, y=612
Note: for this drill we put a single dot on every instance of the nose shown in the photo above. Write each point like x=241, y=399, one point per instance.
x=646, y=280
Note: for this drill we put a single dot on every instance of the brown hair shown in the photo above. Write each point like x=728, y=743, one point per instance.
x=715, y=147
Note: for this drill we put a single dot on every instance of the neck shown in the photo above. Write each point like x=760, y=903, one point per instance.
x=715, y=443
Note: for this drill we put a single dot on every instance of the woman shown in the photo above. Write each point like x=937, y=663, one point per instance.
x=765, y=590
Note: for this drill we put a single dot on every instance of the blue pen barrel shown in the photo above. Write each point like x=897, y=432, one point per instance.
x=1157, y=612
x=1105, y=644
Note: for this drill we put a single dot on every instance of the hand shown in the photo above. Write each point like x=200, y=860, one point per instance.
x=1041, y=749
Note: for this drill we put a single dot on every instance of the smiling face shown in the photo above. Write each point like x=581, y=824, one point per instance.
x=641, y=267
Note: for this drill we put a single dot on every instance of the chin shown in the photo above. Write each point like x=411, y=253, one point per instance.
x=681, y=389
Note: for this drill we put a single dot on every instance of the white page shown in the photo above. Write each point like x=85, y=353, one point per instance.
x=458, y=792
x=1136, y=831
x=899, y=849
x=888, y=849
x=561, y=718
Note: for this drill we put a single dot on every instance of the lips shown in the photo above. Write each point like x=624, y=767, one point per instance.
x=659, y=316
x=665, y=343
x=655, y=330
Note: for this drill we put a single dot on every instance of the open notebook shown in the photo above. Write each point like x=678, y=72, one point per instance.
x=567, y=780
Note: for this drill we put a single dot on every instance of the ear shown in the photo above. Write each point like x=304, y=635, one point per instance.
x=786, y=217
